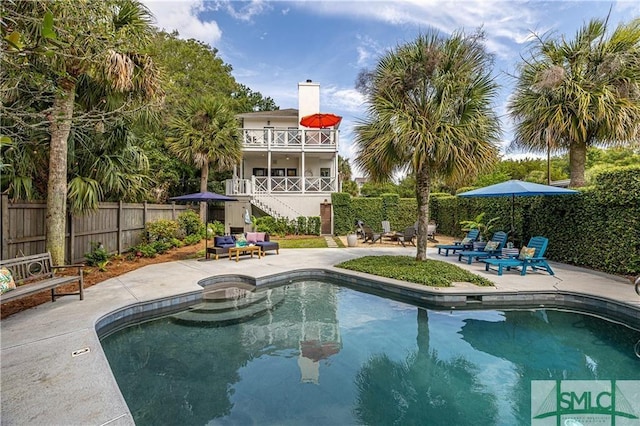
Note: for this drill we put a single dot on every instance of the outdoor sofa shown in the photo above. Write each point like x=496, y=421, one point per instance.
x=222, y=243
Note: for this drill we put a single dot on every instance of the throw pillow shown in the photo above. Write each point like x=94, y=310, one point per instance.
x=228, y=239
x=241, y=241
x=527, y=253
x=252, y=237
x=260, y=236
x=492, y=246
x=6, y=281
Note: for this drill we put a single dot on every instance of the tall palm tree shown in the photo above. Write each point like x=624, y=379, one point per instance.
x=429, y=113
x=204, y=133
x=66, y=41
x=574, y=94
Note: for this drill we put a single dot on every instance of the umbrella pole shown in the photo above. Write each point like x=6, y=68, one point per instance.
x=513, y=231
x=206, y=229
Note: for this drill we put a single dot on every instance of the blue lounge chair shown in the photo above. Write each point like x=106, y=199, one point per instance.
x=498, y=237
x=458, y=245
x=536, y=261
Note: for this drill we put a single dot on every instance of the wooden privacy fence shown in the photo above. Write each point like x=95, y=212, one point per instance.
x=118, y=226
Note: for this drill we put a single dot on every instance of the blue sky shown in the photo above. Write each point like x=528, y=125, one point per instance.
x=273, y=45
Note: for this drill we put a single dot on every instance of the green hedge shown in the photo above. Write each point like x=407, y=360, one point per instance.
x=599, y=229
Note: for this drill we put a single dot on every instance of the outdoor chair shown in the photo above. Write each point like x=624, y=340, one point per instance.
x=386, y=231
x=431, y=231
x=359, y=228
x=466, y=243
x=534, y=259
x=407, y=236
x=370, y=236
x=493, y=248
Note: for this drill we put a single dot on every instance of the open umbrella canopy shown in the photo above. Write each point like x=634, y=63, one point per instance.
x=516, y=188
x=202, y=197
x=320, y=120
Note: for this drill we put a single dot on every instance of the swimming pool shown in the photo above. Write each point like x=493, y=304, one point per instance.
x=330, y=355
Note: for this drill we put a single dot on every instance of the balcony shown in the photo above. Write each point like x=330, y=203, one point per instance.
x=281, y=185
x=266, y=139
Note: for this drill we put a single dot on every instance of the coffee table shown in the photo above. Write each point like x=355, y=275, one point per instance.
x=245, y=249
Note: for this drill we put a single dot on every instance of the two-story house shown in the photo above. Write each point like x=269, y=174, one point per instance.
x=287, y=170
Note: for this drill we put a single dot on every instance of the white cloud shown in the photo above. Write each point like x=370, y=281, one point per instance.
x=248, y=10
x=343, y=99
x=183, y=17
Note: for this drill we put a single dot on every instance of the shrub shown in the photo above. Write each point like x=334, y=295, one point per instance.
x=302, y=225
x=216, y=228
x=313, y=227
x=98, y=256
x=161, y=230
x=144, y=250
x=190, y=223
x=192, y=239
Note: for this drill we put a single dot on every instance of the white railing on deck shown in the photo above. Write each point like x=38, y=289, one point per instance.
x=289, y=138
x=281, y=185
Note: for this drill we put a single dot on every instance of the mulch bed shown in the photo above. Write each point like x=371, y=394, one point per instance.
x=93, y=276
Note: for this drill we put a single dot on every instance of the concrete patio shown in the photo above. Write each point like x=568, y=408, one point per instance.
x=54, y=371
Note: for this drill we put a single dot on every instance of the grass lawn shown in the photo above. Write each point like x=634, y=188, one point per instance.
x=430, y=272
x=301, y=242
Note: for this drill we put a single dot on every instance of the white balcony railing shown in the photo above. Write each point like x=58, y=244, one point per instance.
x=282, y=185
x=289, y=138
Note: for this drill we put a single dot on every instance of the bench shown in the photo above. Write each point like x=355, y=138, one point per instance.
x=35, y=273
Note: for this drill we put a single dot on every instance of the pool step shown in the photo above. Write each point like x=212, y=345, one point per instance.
x=222, y=313
x=241, y=301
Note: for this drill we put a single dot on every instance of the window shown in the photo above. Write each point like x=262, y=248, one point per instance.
x=292, y=172
x=258, y=171
x=277, y=172
x=325, y=172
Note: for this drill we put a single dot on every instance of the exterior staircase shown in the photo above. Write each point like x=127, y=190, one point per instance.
x=231, y=305
x=274, y=206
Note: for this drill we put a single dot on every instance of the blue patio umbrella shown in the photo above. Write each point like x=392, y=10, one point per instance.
x=203, y=197
x=517, y=188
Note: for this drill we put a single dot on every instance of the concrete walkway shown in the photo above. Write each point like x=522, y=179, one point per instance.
x=54, y=371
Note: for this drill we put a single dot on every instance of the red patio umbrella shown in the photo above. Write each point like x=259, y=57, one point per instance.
x=320, y=120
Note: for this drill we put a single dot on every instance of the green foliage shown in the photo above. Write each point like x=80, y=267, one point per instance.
x=428, y=272
x=190, y=223
x=563, y=71
x=350, y=187
x=313, y=225
x=281, y=226
x=343, y=217
x=98, y=256
x=302, y=225
x=478, y=222
x=192, y=239
x=163, y=230
x=216, y=228
x=144, y=250
x=618, y=185
x=372, y=189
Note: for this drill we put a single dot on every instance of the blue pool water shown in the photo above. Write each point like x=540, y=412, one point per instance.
x=330, y=355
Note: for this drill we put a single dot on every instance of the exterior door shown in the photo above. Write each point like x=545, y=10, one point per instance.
x=325, y=218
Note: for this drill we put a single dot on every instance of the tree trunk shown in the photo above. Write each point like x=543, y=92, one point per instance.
x=423, y=184
x=62, y=112
x=577, y=162
x=204, y=179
